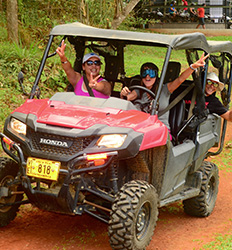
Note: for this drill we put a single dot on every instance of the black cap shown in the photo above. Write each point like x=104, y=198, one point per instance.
x=148, y=65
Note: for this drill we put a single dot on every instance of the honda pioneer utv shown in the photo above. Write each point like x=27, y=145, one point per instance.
x=76, y=154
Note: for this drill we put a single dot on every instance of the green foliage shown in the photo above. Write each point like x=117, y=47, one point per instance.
x=9, y=100
x=135, y=22
x=15, y=58
x=222, y=242
x=99, y=12
x=3, y=33
x=39, y=13
x=36, y=18
x=47, y=14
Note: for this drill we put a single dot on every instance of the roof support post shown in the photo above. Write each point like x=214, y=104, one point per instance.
x=33, y=91
x=154, y=110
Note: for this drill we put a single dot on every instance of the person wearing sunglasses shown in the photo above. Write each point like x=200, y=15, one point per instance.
x=150, y=79
x=213, y=104
x=91, y=65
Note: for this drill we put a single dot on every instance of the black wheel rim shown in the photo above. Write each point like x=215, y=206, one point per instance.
x=210, y=190
x=5, y=182
x=143, y=220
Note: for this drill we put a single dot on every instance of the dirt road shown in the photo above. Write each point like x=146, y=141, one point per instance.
x=37, y=230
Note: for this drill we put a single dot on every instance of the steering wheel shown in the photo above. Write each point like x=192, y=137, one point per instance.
x=143, y=104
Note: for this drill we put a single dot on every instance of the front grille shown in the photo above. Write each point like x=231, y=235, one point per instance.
x=77, y=144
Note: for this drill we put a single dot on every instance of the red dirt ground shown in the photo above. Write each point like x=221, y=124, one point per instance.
x=37, y=230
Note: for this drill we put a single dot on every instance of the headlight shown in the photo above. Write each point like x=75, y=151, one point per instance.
x=111, y=141
x=18, y=126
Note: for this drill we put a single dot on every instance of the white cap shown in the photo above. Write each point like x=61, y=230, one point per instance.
x=89, y=55
x=212, y=76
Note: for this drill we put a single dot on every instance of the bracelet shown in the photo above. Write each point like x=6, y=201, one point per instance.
x=65, y=62
x=191, y=67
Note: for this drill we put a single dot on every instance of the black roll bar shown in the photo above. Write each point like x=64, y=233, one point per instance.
x=45, y=55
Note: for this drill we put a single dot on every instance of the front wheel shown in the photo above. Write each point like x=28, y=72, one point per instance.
x=133, y=217
x=8, y=171
x=203, y=204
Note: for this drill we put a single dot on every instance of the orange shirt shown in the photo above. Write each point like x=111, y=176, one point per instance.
x=201, y=12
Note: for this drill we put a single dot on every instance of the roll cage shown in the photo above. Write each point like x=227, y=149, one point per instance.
x=111, y=44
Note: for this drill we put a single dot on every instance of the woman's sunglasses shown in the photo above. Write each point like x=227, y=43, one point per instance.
x=90, y=63
x=150, y=72
x=215, y=84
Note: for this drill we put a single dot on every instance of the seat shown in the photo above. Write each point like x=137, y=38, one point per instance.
x=112, y=66
x=173, y=71
x=134, y=80
x=176, y=119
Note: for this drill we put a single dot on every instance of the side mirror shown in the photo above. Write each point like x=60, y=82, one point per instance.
x=20, y=77
x=20, y=80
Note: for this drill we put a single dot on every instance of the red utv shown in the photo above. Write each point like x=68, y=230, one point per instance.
x=74, y=155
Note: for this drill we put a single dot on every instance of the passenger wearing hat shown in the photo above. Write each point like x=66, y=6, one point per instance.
x=149, y=79
x=212, y=102
x=91, y=65
x=213, y=84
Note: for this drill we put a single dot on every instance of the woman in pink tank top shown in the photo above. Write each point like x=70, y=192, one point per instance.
x=91, y=65
x=81, y=90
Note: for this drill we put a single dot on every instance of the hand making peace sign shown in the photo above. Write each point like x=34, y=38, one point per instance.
x=93, y=81
x=60, y=51
x=201, y=61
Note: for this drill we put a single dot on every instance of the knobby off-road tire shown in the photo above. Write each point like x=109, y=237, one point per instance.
x=203, y=204
x=8, y=171
x=133, y=217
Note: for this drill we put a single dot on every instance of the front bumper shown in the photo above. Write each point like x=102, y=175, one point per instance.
x=65, y=200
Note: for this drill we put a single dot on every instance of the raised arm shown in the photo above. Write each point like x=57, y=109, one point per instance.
x=178, y=81
x=72, y=75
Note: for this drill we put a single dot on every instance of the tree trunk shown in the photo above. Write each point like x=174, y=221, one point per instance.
x=1, y=8
x=12, y=20
x=79, y=13
x=118, y=19
x=84, y=12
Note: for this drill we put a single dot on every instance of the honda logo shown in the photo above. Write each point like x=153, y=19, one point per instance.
x=55, y=143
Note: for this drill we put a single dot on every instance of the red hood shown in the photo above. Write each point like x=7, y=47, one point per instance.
x=81, y=117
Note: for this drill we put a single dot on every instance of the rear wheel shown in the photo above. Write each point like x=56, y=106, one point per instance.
x=133, y=216
x=203, y=204
x=8, y=171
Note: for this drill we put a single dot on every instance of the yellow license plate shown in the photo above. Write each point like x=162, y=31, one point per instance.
x=43, y=169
